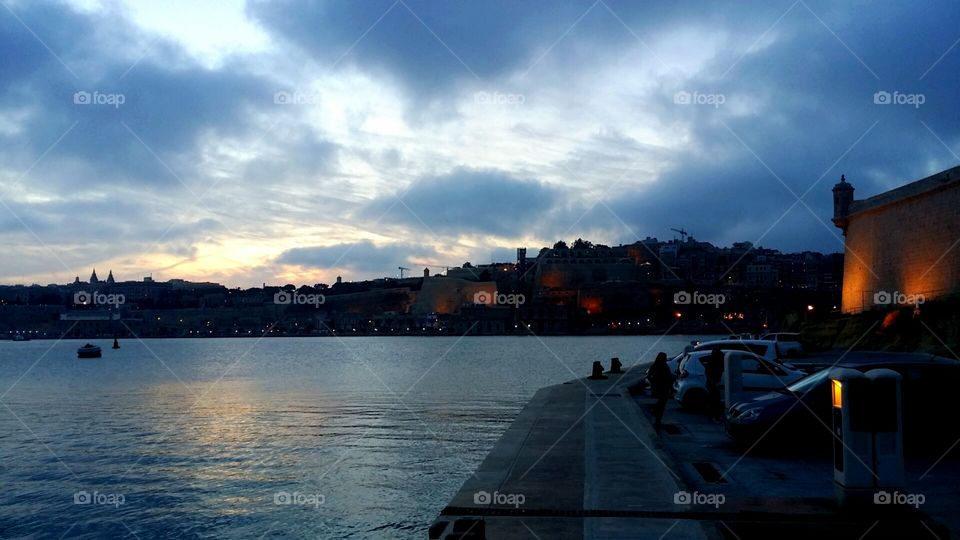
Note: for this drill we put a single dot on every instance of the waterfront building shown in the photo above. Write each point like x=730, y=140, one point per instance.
x=900, y=245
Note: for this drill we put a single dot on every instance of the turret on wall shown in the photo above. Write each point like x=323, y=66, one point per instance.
x=842, y=199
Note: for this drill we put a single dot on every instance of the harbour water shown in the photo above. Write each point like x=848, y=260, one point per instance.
x=274, y=438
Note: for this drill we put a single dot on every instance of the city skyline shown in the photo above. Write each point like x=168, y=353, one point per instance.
x=653, y=254
x=244, y=142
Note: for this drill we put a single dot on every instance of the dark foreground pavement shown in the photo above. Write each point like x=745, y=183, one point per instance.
x=582, y=461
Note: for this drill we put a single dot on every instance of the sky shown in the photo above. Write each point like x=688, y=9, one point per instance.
x=286, y=141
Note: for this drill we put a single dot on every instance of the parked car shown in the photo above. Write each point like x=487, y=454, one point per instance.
x=801, y=412
x=759, y=375
x=674, y=363
x=788, y=343
x=763, y=348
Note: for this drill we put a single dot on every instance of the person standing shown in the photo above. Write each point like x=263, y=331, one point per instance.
x=661, y=386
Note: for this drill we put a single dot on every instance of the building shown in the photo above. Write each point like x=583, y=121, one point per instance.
x=900, y=246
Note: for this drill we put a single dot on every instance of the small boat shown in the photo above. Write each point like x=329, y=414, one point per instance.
x=116, y=344
x=88, y=351
x=20, y=337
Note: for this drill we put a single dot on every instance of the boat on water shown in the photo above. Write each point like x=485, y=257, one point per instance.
x=89, y=351
x=20, y=337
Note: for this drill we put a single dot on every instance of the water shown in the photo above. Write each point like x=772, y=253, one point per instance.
x=202, y=438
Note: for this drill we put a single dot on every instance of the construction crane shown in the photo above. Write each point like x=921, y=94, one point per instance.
x=402, y=269
x=682, y=232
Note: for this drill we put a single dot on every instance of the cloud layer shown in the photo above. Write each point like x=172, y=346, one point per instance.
x=355, y=137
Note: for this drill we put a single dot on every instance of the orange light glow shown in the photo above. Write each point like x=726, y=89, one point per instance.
x=837, y=394
x=591, y=304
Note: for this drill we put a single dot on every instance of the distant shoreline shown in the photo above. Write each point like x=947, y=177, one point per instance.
x=351, y=335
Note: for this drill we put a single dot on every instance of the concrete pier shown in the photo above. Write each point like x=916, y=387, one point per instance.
x=582, y=461
x=587, y=465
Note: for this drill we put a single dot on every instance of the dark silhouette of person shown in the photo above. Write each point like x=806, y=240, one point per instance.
x=714, y=374
x=661, y=386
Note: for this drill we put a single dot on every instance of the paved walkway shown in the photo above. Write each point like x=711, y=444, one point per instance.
x=587, y=465
x=582, y=461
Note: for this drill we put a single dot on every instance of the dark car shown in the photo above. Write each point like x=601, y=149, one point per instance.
x=800, y=414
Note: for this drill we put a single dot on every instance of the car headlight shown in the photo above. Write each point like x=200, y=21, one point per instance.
x=748, y=415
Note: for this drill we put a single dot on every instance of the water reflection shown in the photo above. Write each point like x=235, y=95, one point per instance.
x=196, y=455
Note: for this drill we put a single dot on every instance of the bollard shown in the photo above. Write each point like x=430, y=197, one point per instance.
x=597, y=371
x=616, y=367
x=868, y=434
x=732, y=378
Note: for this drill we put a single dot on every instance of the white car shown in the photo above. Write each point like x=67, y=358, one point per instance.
x=761, y=347
x=788, y=343
x=674, y=363
x=759, y=375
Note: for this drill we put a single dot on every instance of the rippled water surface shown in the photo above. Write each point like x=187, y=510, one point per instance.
x=202, y=438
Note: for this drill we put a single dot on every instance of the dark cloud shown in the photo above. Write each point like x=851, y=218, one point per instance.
x=362, y=256
x=466, y=201
x=154, y=111
x=426, y=44
x=804, y=107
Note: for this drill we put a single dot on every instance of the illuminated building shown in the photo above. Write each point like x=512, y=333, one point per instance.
x=901, y=245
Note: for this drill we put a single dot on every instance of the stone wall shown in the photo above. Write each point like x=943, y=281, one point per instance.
x=903, y=249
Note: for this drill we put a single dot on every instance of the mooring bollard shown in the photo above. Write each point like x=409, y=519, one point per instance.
x=616, y=367
x=597, y=371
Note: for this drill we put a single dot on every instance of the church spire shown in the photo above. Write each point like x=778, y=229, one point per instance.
x=110, y=278
x=93, y=277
